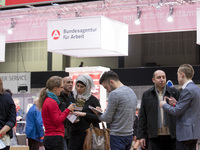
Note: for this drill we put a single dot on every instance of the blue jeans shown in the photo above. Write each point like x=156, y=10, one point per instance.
x=120, y=142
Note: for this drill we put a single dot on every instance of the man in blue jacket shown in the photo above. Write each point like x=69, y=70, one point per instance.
x=34, y=127
x=186, y=110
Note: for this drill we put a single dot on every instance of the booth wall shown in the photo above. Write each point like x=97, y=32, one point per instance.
x=162, y=49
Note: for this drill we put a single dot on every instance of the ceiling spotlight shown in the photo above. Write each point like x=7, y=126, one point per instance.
x=160, y=4
x=170, y=16
x=137, y=21
x=58, y=16
x=54, y=4
x=77, y=14
x=12, y=25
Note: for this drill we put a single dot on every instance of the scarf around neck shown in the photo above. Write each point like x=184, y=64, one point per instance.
x=159, y=112
x=53, y=96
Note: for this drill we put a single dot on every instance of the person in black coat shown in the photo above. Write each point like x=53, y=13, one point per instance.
x=155, y=122
x=7, y=116
x=63, y=98
x=82, y=98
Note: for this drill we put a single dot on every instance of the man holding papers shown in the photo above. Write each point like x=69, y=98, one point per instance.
x=120, y=112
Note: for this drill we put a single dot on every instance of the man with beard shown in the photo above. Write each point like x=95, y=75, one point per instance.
x=159, y=126
x=120, y=111
x=63, y=98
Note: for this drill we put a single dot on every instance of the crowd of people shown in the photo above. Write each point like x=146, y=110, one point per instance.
x=168, y=118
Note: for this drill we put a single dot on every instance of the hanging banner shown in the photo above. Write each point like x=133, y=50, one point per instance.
x=34, y=28
x=2, y=47
x=95, y=36
x=17, y=82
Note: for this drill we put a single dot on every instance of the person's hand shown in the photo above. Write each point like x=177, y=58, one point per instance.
x=143, y=143
x=2, y=134
x=163, y=102
x=99, y=108
x=172, y=101
x=134, y=138
x=78, y=113
x=41, y=138
x=19, y=118
x=96, y=112
x=72, y=106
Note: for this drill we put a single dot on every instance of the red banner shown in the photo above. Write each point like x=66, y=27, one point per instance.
x=19, y=2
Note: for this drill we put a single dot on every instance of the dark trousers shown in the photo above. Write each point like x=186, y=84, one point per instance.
x=120, y=142
x=53, y=142
x=6, y=148
x=33, y=144
x=164, y=142
x=186, y=145
x=76, y=140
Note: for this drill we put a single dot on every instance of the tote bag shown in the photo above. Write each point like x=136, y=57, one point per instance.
x=97, y=139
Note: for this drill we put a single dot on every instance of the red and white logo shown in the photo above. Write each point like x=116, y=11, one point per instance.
x=55, y=34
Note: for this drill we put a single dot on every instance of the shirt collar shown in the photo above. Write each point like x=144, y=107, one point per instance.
x=186, y=83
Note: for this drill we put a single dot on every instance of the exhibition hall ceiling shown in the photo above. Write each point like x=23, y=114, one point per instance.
x=78, y=7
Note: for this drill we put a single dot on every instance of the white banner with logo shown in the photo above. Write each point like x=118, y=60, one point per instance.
x=95, y=36
x=17, y=82
x=2, y=47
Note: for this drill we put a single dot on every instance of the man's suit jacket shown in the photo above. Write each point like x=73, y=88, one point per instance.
x=187, y=112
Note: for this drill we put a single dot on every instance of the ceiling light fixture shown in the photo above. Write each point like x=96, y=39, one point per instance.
x=170, y=16
x=54, y=4
x=137, y=21
x=77, y=14
x=58, y=16
x=160, y=4
x=12, y=25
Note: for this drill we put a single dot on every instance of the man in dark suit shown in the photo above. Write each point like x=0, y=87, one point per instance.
x=186, y=110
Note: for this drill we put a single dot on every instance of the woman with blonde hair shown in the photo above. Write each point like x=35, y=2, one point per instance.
x=52, y=116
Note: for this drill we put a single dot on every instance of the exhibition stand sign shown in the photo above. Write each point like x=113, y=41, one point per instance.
x=16, y=82
x=95, y=36
x=2, y=47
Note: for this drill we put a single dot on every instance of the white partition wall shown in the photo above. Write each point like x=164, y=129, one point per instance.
x=95, y=73
x=2, y=48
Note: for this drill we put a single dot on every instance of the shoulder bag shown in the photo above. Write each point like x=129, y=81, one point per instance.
x=97, y=139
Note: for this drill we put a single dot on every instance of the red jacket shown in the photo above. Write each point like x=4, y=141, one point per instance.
x=53, y=118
